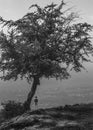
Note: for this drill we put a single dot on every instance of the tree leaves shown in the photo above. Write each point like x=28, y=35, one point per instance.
x=45, y=42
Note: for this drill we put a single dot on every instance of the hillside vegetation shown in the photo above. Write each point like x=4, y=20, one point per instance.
x=69, y=117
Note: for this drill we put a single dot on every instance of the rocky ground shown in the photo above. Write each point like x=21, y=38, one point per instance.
x=76, y=117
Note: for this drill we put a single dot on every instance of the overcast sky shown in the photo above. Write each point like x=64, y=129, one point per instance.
x=15, y=9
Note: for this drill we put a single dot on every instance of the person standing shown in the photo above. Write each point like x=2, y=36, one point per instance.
x=36, y=102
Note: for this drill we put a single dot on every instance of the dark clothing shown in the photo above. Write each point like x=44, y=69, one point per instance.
x=36, y=101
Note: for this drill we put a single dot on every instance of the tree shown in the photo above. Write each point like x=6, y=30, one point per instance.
x=46, y=42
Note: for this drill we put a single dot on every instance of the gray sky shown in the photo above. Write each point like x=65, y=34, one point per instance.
x=77, y=89
x=14, y=9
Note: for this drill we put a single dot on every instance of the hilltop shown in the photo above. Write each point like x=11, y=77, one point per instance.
x=75, y=117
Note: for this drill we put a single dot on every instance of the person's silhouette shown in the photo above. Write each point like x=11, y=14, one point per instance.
x=36, y=101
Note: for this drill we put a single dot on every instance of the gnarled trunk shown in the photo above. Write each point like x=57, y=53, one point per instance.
x=27, y=103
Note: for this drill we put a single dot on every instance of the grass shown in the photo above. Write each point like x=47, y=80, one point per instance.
x=81, y=114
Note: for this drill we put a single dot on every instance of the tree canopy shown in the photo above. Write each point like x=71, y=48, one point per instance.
x=46, y=42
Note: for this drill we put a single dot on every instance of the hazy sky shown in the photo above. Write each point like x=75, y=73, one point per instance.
x=79, y=87
x=14, y=9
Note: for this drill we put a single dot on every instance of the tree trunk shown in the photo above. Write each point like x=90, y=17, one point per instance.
x=27, y=103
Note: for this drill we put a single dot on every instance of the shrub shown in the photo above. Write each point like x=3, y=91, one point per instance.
x=12, y=109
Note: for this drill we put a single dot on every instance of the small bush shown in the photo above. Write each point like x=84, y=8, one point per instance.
x=12, y=109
